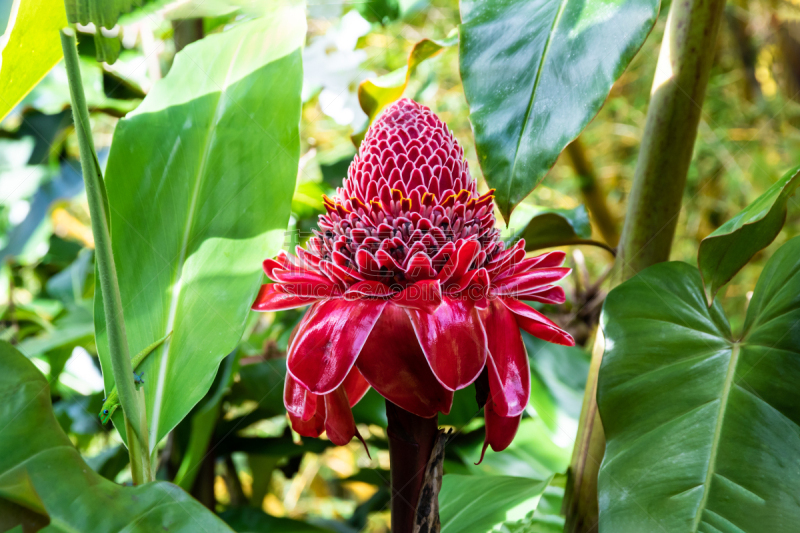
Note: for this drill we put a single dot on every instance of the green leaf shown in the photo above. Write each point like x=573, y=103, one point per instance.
x=532, y=454
x=199, y=181
x=51, y=95
x=464, y=410
x=263, y=382
x=62, y=336
x=103, y=13
x=382, y=11
x=31, y=47
x=203, y=422
x=535, y=72
x=701, y=425
x=48, y=477
x=469, y=504
x=107, y=46
x=200, y=9
x=377, y=93
x=224, y=8
x=547, y=516
x=723, y=253
x=546, y=227
x=558, y=380
x=371, y=409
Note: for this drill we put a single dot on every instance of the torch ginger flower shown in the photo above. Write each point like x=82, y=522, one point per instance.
x=412, y=290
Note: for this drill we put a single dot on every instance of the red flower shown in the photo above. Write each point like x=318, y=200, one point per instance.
x=412, y=291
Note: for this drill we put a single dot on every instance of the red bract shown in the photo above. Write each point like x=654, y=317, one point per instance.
x=412, y=291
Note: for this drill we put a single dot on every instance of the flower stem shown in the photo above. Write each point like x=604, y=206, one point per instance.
x=412, y=442
x=112, y=302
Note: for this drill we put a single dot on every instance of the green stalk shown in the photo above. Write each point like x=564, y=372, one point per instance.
x=112, y=302
x=141, y=466
x=676, y=101
x=679, y=87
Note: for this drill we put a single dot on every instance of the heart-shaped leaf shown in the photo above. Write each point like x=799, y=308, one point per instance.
x=42, y=473
x=535, y=72
x=200, y=179
x=723, y=253
x=702, y=426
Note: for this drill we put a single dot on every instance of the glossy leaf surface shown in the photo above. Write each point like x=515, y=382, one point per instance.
x=701, y=425
x=543, y=227
x=48, y=478
x=723, y=253
x=31, y=47
x=535, y=73
x=469, y=504
x=199, y=180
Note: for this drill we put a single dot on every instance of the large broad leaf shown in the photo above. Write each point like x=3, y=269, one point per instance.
x=44, y=479
x=31, y=47
x=469, y=504
x=723, y=253
x=535, y=72
x=199, y=181
x=701, y=425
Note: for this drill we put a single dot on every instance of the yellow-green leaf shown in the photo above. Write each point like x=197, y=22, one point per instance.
x=376, y=93
x=31, y=47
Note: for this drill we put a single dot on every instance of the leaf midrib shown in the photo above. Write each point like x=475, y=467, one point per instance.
x=176, y=283
x=561, y=7
x=723, y=405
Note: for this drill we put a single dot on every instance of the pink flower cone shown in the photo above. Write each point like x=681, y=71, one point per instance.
x=411, y=290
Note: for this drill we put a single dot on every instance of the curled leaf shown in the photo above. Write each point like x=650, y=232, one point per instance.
x=376, y=93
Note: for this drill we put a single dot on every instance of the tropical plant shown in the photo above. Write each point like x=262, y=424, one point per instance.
x=319, y=267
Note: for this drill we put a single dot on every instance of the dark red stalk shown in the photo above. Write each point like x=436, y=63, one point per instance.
x=412, y=440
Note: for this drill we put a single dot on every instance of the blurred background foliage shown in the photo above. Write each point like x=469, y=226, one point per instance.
x=235, y=452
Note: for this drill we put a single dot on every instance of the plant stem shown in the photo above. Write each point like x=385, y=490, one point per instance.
x=679, y=86
x=141, y=465
x=593, y=195
x=412, y=440
x=112, y=302
x=580, y=500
